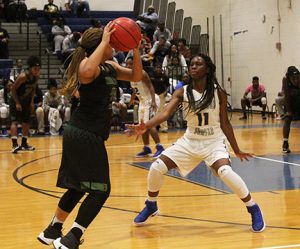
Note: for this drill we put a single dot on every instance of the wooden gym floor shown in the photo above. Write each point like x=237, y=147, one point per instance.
x=196, y=212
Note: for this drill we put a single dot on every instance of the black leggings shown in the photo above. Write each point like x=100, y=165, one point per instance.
x=89, y=208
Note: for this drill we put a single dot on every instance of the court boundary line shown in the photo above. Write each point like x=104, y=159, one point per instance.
x=276, y=161
x=279, y=247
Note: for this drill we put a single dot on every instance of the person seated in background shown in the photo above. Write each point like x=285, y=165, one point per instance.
x=51, y=11
x=159, y=50
x=55, y=108
x=5, y=95
x=39, y=111
x=78, y=7
x=16, y=10
x=4, y=37
x=17, y=69
x=96, y=23
x=162, y=30
x=70, y=43
x=148, y=21
x=184, y=50
x=185, y=81
x=59, y=31
x=257, y=98
x=279, y=102
x=161, y=84
x=174, y=64
x=291, y=89
x=146, y=60
x=119, y=109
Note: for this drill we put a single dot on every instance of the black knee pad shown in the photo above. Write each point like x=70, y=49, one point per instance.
x=69, y=200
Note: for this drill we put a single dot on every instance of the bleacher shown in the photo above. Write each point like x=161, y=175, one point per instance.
x=80, y=24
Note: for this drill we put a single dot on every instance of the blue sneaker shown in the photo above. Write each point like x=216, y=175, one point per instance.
x=258, y=224
x=159, y=150
x=148, y=211
x=146, y=152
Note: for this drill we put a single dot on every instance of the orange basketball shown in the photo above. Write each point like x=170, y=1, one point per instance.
x=127, y=34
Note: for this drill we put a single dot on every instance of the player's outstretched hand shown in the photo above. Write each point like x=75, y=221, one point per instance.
x=138, y=129
x=243, y=155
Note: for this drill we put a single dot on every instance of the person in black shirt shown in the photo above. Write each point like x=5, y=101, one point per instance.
x=291, y=89
x=84, y=165
x=51, y=11
x=39, y=111
x=21, y=103
x=4, y=36
x=161, y=84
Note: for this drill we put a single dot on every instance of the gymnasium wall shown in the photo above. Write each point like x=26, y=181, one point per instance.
x=250, y=31
x=125, y=5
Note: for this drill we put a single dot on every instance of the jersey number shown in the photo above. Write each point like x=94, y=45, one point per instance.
x=202, y=119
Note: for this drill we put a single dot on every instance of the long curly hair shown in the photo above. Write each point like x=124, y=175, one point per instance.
x=90, y=40
x=208, y=95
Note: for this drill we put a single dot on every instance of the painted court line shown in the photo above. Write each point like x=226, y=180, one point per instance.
x=278, y=247
x=277, y=161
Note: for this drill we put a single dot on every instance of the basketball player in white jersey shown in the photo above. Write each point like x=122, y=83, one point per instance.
x=205, y=109
x=148, y=105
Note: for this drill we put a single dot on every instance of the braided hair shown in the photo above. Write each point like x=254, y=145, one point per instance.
x=90, y=40
x=208, y=95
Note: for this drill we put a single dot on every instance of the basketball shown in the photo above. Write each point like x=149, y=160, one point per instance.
x=127, y=34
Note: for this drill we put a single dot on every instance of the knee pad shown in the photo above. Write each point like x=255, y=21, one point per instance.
x=155, y=175
x=264, y=100
x=233, y=181
x=159, y=166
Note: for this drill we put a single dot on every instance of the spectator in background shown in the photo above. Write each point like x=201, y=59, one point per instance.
x=184, y=50
x=174, y=63
x=148, y=21
x=39, y=111
x=96, y=23
x=70, y=43
x=78, y=7
x=18, y=69
x=162, y=30
x=56, y=108
x=279, y=102
x=159, y=50
x=119, y=108
x=51, y=11
x=60, y=31
x=258, y=97
x=5, y=95
x=4, y=37
x=185, y=81
x=16, y=10
x=161, y=84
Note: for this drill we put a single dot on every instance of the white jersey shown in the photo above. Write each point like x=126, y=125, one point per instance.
x=206, y=124
x=142, y=92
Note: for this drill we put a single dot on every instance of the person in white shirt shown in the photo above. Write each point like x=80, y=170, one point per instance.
x=60, y=31
x=162, y=30
x=205, y=107
x=148, y=21
x=148, y=105
x=78, y=6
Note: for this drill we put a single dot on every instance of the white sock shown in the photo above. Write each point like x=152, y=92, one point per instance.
x=56, y=220
x=285, y=140
x=78, y=226
x=250, y=203
x=152, y=199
